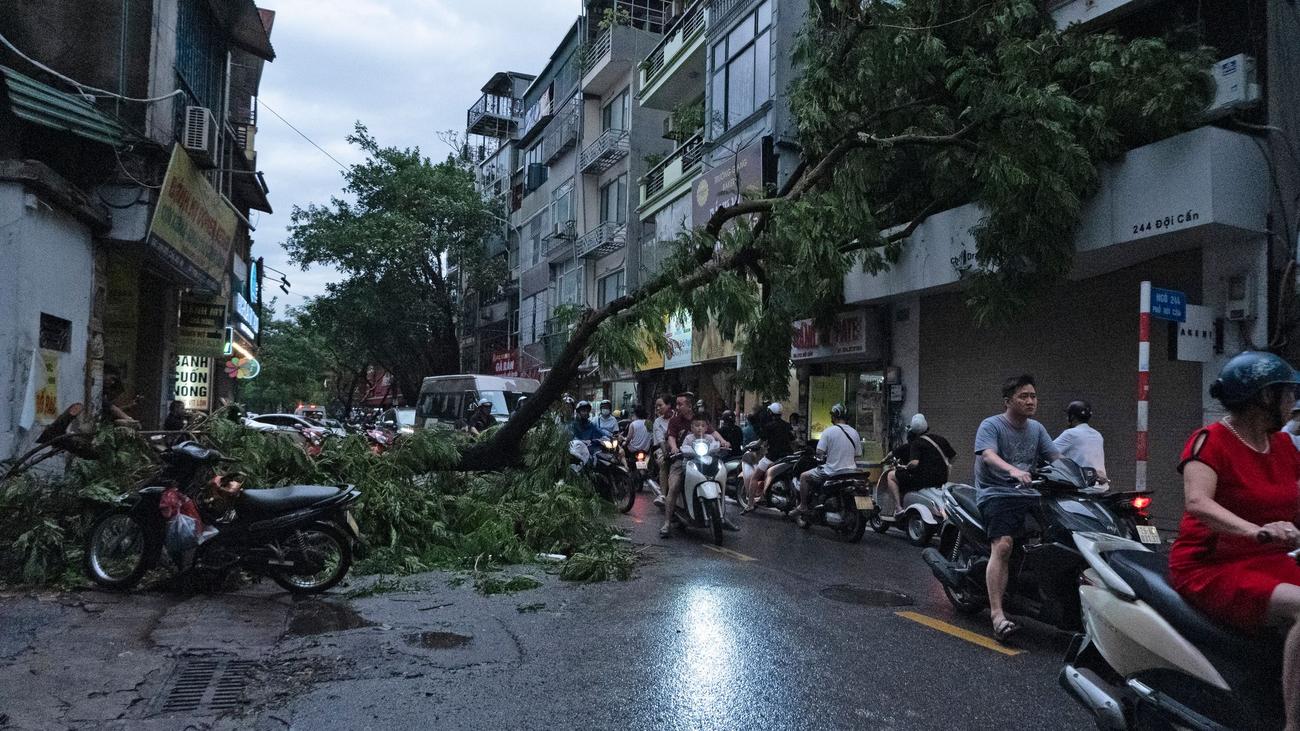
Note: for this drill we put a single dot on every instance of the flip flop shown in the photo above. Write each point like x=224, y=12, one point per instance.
x=1003, y=630
x=664, y=532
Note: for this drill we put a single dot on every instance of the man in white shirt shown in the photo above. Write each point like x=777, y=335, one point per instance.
x=660, y=439
x=1081, y=443
x=839, y=445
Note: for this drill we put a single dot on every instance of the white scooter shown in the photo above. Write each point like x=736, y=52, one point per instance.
x=1149, y=660
x=702, y=490
x=921, y=514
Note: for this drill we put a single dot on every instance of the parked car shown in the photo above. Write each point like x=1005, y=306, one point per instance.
x=399, y=420
x=334, y=426
x=448, y=400
x=283, y=422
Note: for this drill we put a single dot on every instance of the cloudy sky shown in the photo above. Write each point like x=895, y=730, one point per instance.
x=407, y=68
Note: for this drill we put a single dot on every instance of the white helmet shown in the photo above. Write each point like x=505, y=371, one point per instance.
x=919, y=424
x=775, y=407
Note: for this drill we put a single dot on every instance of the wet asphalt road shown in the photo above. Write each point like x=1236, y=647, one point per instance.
x=700, y=639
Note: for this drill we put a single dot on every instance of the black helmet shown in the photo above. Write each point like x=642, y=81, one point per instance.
x=1080, y=411
x=1248, y=373
x=728, y=416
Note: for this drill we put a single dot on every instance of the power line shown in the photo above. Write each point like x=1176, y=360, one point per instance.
x=83, y=88
x=262, y=103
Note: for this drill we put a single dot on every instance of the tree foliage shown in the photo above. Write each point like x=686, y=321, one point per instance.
x=296, y=365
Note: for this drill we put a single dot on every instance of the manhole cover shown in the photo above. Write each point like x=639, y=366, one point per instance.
x=200, y=686
x=865, y=596
x=316, y=617
x=438, y=640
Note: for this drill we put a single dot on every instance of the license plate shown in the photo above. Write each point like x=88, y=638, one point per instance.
x=863, y=502
x=642, y=464
x=352, y=523
x=1148, y=534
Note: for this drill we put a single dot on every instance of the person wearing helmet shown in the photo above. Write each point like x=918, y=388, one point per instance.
x=1080, y=442
x=839, y=446
x=562, y=410
x=729, y=430
x=607, y=420
x=1007, y=446
x=924, y=460
x=778, y=439
x=482, y=418
x=582, y=427
x=1241, y=498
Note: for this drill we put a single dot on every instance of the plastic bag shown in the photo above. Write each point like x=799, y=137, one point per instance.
x=185, y=530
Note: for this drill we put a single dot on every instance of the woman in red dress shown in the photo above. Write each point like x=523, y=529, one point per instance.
x=1241, y=479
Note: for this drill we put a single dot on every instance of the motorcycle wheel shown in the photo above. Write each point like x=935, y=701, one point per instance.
x=877, y=523
x=621, y=493
x=960, y=600
x=743, y=498
x=855, y=524
x=119, y=550
x=918, y=531
x=319, y=544
x=714, y=510
x=783, y=488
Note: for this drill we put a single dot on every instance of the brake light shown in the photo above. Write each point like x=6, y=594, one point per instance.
x=1141, y=502
x=640, y=455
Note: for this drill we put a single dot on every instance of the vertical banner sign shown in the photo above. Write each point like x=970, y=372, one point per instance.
x=1144, y=385
x=193, y=382
x=47, y=393
x=823, y=393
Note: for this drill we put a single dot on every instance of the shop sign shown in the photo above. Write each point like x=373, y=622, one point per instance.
x=243, y=367
x=193, y=382
x=847, y=338
x=679, y=342
x=47, y=391
x=708, y=344
x=1196, y=335
x=747, y=171
x=651, y=358
x=247, y=316
x=823, y=393
x=193, y=227
x=202, y=326
x=505, y=364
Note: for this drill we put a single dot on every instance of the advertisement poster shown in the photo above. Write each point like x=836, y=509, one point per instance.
x=47, y=391
x=193, y=382
x=823, y=393
x=679, y=336
x=708, y=344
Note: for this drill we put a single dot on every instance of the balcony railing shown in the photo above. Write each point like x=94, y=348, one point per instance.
x=681, y=33
x=494, y=116
x=562, y=131
x=600, y=48
x=684, y=161
x=560, y=238
x=719, y=10
x=601, y=155
x=604, y=239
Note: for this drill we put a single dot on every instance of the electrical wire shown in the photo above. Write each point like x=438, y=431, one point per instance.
x=83, y=88
x=262, y=103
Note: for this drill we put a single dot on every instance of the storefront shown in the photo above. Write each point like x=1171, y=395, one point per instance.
x=844, y=365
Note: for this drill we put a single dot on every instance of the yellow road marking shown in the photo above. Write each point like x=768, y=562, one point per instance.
x=728, y=552
x=959, y=633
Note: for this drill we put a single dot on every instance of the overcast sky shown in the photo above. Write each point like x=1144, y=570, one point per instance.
x=406, y=68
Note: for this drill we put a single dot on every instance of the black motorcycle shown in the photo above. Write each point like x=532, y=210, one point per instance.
x=842, y=502
x=601, y=460
x=302, y=536
x=1045, y=565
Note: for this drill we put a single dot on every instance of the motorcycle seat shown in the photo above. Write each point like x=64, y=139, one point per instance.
x=965, y=496
x=1146, y=573
x=284, y=499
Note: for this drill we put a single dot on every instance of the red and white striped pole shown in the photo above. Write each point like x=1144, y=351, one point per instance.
x=1144, y=386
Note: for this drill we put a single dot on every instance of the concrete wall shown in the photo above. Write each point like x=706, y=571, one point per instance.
x=48, y=267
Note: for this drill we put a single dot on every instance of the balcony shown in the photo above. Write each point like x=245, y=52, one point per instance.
x=562, y=131
x=604, y=239
x=608, y=149
x=559, y=242
x=1092, y=13
x=665, y=181
x=673, y=73
x=611, y=55
x=494, y=116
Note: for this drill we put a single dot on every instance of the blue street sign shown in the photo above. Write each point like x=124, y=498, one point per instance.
x=1168, y=304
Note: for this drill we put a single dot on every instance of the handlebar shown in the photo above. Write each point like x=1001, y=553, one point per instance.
x=1263, y=537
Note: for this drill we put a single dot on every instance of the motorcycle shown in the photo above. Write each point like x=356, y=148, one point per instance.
x=1044, y=564
x=841, y=502
x=380, y=440
x=740, y=473
x=645, y=472
x=921, y=513
x=600, y=460
x=302, y=537
x=701, y=502
x=1149, y=660
x=782, y=491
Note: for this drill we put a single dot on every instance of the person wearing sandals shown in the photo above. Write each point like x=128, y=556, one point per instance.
x=1007, y=446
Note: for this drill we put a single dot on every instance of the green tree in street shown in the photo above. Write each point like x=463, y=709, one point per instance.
x=295, y=366
x=405, y=223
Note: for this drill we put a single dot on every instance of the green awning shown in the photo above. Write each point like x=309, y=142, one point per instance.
x=42, y=104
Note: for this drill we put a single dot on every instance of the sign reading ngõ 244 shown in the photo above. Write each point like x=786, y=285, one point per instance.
x=1168, y=304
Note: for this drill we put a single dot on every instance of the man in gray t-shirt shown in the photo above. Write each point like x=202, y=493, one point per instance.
x=1007, y=446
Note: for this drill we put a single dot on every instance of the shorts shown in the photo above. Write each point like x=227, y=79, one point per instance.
x=908, y=482
x=1005, y=516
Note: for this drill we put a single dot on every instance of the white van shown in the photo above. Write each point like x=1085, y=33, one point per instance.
x=450, y=400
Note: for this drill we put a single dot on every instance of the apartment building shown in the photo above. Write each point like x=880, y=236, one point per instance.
x=127, y=235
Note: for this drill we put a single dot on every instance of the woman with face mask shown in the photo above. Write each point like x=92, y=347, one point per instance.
x=607, y=420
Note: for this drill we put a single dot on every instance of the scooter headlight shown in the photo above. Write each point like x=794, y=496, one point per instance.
x=701, y=449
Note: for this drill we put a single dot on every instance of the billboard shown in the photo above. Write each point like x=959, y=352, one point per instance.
x=193, y=227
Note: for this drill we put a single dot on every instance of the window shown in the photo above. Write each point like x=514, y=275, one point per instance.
x=56, y=333
x=562, y=202
x=617, y=114
x=742, y=69
x=531, y=255
x=613, y=196
x=532, y=315
x=567, y=281
x=610, y=287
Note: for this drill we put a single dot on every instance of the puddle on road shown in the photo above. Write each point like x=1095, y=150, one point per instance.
x=318, y=617
x=438, y=640
x=866, y=596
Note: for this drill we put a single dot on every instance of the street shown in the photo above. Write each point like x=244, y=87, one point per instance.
x=768, y=632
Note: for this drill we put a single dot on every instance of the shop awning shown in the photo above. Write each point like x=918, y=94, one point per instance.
x=42, y=104
x=243, y=22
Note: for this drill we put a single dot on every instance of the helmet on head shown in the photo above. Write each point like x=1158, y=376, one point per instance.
x=605, y=404
x=567, y=399
x=1248, y=373
x=583, y=405
x=775, y=407
x=484, y=402
x=837, y=411
x=728, y=415
x=1080, y=411
x=919, y=425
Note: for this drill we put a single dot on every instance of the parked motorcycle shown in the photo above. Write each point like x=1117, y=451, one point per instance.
x=1044, y=565
x=843, y=502
x=1149, y=660
x=302, y=537
x=921, y=514
x=782, y=491
x=599, y=459
x=701, y=502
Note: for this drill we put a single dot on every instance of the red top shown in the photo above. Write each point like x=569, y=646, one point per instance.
x=1261, y=488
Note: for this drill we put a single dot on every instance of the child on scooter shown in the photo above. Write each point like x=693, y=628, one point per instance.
x=699, y=433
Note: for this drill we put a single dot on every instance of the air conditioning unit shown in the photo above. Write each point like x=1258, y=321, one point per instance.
x=1235, y=85
x=561, y=230
x=200, y=136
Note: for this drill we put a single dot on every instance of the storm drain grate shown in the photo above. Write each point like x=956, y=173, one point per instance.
x=207, y=685
x=866, y=596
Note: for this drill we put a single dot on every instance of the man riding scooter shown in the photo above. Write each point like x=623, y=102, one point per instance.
x=582, y=427
x=839, y=445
